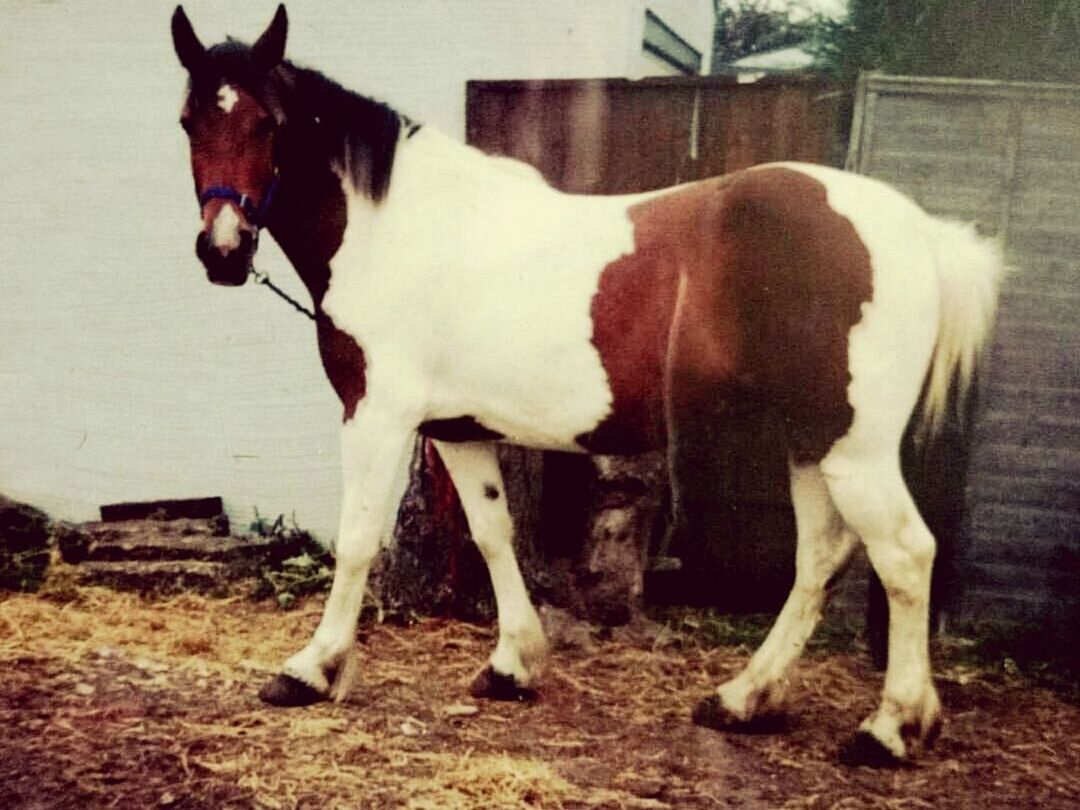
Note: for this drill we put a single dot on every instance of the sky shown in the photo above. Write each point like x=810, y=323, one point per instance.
x=803, y=8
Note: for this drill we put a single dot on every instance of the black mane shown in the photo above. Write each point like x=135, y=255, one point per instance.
x=319, y=119
x=356, y=135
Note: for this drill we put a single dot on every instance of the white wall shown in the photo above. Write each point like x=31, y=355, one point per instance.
x=124, y=375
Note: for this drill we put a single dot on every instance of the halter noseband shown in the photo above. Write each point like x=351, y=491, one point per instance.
x=253, y=213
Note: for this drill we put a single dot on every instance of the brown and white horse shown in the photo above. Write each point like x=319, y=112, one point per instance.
x=459, y=297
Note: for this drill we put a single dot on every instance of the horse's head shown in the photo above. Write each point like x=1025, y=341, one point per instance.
x=231, y=118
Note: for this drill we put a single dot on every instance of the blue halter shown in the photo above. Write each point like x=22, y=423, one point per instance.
x=253, y=213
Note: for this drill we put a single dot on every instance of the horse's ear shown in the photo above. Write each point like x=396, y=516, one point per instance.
x=269, y=50
x=188, y=48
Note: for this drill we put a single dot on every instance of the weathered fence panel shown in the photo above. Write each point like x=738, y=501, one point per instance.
x=1008, y=156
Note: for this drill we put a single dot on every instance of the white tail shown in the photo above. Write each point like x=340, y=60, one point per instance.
x=970, y=268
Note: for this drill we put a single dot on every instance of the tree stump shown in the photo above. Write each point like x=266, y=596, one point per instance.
x=623, y=518
x=583, y=530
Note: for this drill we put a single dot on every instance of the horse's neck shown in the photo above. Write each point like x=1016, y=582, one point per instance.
x=308, y=223
x=431, y=172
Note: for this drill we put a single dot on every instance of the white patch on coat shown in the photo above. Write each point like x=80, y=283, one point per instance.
x=225, y=229
x=227, y=97
x=470, y=288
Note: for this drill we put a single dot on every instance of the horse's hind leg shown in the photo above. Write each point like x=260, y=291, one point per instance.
x=474, y=469
x=874, y=501
x=824, y=544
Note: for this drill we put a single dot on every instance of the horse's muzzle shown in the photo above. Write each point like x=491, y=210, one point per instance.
x=230, y=268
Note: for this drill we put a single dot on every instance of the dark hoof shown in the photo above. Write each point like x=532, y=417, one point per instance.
x=910, y=734
x=285, y=690
x=865, y=749
x=933, y=734
x=496, y=686
x=711, y=713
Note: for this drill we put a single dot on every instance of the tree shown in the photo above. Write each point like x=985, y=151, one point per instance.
x=745, y=27
x=1032, y=40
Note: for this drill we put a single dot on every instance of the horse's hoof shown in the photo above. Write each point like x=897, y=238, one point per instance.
x=933, y=734
x=866, y=749
x=285, y=690
x=496, y=686
x=712, y=713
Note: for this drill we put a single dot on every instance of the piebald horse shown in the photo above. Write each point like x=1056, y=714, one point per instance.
x=459, y=297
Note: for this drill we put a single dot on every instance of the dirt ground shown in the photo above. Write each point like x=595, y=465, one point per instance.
x=109, y=700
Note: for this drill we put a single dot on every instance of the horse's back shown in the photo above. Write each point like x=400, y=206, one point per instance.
x=592, y=323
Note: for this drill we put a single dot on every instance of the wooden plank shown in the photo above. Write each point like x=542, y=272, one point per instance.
x=169, y=509
x=1030, y=528
x=1026, y=488
x=1003, y=457
x=862, y=118
x=1010, y=163
x=969, y=170
x=938, y=126
x=983, y=599
x=1050, y=127
x=1050, y=304
x=1043, y=216
x=1042, y=243
x=985, y=89
x=1026, y=401
x=647, y=140
x=1038, y=356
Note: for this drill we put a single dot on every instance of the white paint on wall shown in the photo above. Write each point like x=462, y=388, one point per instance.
x=124, y=374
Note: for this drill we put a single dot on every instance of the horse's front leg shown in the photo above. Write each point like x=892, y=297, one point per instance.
x=474, y=469
x=375, y=453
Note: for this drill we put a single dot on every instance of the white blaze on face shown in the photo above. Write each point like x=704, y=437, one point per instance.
x=227, y=97
x=225, y=230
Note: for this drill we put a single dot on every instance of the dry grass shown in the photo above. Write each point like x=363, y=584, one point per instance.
x=115, y=701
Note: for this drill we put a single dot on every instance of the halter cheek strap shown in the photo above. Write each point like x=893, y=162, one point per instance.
x=253, y=213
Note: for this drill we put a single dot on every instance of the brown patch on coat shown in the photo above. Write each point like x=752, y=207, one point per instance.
x=773, y=281
x=343, y=361
x=631, y=314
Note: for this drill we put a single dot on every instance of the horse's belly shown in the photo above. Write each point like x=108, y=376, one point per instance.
x=537, y=395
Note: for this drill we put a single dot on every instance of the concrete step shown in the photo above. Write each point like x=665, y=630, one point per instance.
x=160, y=577
x=164, y=540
